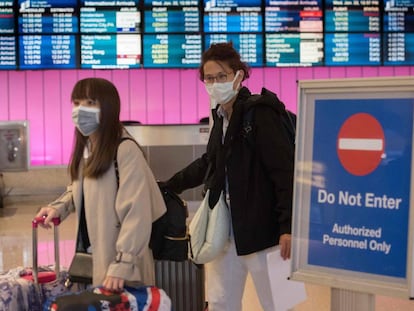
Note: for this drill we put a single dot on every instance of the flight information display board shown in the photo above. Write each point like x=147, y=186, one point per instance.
x=8, y=52
x=47, y=51
x=47, y=31
x=295, y=49
x=172, y=50
x=110, y=20
x=124, y=34
x=6, y=18
x=170, y=19
x=398, y=48
x=47, y=17
x=358, y=49
x=293, y=16
x=110, y=51
x=249, y=45
x=222, y=16
x=352, y=33
x=7, y=40
x=398, y=44
x=172, y=34
x=352, y=16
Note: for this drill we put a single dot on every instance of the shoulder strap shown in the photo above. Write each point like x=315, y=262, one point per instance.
x=116, y=157
x=267, y=97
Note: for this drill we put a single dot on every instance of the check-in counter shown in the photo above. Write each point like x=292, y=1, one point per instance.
x=169, y=148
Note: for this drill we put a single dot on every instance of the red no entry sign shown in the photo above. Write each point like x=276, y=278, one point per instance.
x=361, y=143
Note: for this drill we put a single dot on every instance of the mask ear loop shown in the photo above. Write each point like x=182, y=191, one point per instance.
x=235, y=78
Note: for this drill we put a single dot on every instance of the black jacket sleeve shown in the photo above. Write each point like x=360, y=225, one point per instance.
x=189, y=177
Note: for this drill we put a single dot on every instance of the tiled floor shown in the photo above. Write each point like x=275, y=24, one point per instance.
x=16, y=250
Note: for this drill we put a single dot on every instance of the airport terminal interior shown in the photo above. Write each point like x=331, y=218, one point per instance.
x=151, y=52
x=16, y=250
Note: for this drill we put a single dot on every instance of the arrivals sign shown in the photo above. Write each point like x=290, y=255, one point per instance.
x=360, y=194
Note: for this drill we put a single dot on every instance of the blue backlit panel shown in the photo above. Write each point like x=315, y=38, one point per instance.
x=172, y=50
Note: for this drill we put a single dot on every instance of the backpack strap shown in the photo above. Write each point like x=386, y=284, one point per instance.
x=270, y=99
x=248, y=115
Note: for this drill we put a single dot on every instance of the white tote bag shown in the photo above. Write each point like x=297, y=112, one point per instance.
x=209, y=230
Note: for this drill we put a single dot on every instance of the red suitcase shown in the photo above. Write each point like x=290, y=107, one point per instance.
x=42, y=277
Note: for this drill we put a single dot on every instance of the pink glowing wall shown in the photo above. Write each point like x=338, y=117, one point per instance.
x=152, y=96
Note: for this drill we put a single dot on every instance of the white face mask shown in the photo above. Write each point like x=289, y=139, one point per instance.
x=222, y=93
x=86, y=119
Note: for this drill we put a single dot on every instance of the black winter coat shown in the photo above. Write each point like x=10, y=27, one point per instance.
x=260, y=177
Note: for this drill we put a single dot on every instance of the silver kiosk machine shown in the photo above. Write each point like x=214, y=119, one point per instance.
x=14, y=150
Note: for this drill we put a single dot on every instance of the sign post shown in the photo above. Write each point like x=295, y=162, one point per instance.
x=352, y=223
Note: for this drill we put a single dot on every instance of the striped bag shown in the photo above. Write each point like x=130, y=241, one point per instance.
x=143, y=298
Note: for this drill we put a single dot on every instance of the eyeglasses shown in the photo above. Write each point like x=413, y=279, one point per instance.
x=220, y=78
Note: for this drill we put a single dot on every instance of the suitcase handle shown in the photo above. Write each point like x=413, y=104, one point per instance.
x=41, y=219
x=35, y=222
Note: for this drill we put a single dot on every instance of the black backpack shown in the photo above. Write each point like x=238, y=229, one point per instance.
x=267, y=97
x=169, y=236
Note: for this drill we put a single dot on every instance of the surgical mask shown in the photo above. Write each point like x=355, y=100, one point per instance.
x=86, y=119
x=222, y=93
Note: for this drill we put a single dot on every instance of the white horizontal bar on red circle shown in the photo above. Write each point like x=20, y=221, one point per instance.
x=368, y=144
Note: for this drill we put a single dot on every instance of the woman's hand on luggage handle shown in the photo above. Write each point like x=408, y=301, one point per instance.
x=113, y=284
x=48, y=212
x=285, y=245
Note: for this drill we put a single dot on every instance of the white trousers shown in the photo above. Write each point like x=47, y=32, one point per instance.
x=226, y=279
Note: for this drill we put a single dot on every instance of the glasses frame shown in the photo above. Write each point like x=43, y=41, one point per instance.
x=221, y=77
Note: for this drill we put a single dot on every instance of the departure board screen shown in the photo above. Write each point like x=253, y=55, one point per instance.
x=110, y=20
x=398, y=15
x=8, y=56
x=295, y=49
x=47, y=51
x=109, y=3
x=47, y=31
x=398, y=48
x=250, y=46
x=6, y=18
x=398, y=32
x=170, y=19
x=110, y=51
x=352, y=49
x=47, y=17
x=134, y=34
x=293, y=16
x=352, y=16
x=223, y=16
x=172, y=50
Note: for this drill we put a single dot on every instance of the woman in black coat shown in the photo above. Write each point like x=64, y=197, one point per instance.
x=252, y=163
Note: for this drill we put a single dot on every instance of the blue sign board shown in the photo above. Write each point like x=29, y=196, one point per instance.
x=359, y=204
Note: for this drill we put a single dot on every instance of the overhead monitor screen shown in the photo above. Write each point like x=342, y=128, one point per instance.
x=110, y=51
x=47, y=52
x=228, y=16
x=172, y=50
x=135, y=34
x=293, y=16
x=294, y=49
x=352, y=49
x=250, y=46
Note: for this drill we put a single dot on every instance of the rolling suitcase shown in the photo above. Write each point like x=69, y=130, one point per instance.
x=25, y=289
x=183, y=281
x=143, y=298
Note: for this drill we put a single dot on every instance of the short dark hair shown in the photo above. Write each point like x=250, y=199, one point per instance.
x=226, y=53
